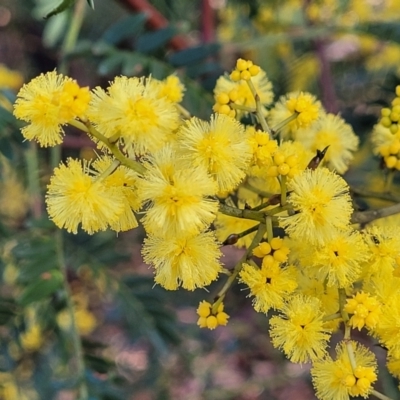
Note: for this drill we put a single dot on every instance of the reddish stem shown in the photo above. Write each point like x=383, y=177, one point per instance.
x=207, y=22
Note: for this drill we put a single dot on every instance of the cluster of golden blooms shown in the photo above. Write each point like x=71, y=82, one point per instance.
x=234, y=93
x=208, y=318
x=194, y=181
x=386, y=134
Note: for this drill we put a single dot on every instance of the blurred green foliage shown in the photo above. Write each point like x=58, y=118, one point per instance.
x=42, y=269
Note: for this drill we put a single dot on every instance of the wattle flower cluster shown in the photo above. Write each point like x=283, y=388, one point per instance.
x=193, y=181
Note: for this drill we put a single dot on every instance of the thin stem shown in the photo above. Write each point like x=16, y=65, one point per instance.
x=185, y=113
x=221, y=294
x=363, y=217
x=242, y=108
x=73, y=332
x=279, y=209
x=88, y=128
x=259, y=109
x=260, y=192
x=380, y=395
x=239, y=213
x=32, y=170
x=270, y=231
x=375, y=195
x=247, y=232
x=114, y=165
x=261, y=206
x=331, y=317
x=68, y=45
x=389, y=181
x=286, y=121
x=283, y=190
x=71, y=37
x=342, y=303
x=350, y=352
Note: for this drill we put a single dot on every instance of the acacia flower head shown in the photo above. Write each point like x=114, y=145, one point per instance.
x=388, y=328
x=171, y=88
x=132, y=110
x=299, y=330
x=383, y=243
x=303, y=105
x=336, y=379
x=331, y=130
x=322, y=205
x=269, y=285
x=47, y=103
x=180, y=260
x=74, y=198
x=177, y=197
x=124, y=181
x=220, y=146
x=339, y=259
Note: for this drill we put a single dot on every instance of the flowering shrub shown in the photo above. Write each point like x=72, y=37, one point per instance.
x=272, y=185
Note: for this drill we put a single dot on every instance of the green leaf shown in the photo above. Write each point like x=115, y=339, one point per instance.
x=6, y=116
x=152, y=41
x=91, y=4
x=47, y=284
x=193, y=55
x=133, y=63
x=62, y=7
x=195, y=71
x=158, y=69
x=55, y=29
x=6, y=148
x=125, y=28
x=111, y=64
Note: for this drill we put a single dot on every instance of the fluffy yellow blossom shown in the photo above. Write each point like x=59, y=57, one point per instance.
x=327, y=295
x=300, y=331
x=74, y=198
x=171, y=88
x=124, y=181
x=336, y=379
x=220, y=146
x=188, y=261
x=339, y=259
x=331, y=130
x=132, y=111
x=208, y=318
x=47, y=103
x=322, y=204
x=176, y=196
x=269, y=285
x=384, y=249
x=388, y=328
x=304, y=106
x=393, y=365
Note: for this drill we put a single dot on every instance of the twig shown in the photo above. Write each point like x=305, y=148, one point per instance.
x=363, y=217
